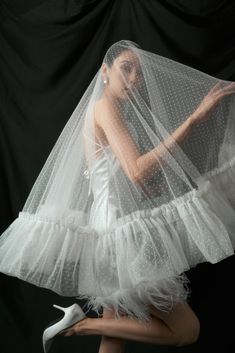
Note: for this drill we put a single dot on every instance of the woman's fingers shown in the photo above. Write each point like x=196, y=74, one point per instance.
x=212, y=99
x=230, y=87
x=226, y=91
x=68, y=332
x=218, y=90
x=215, y=88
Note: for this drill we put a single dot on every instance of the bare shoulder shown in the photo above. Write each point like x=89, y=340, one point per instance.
x=104, y=110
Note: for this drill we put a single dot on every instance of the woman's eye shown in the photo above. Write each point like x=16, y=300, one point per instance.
x=127, y=68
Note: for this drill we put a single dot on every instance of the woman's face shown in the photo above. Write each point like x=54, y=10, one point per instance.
x=123, y=76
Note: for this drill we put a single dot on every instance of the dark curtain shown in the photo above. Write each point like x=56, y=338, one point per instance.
x=49, y=52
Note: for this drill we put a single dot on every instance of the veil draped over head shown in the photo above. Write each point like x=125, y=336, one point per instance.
x=133, y=194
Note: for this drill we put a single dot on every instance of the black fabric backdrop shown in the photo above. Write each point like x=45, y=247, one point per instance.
x=49, y=52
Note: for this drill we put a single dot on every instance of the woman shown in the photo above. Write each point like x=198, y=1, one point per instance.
x=118, y=219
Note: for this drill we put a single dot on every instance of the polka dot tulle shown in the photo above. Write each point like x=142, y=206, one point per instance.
x=138, y=189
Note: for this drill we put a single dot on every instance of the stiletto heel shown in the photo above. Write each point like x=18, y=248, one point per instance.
x=72, y=314
x=60, y=307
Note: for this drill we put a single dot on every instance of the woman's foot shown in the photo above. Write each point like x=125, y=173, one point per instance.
x=72, y=315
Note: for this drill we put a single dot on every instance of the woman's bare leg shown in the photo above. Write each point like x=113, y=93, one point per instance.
x=178, y=327
x=182, y=321
x=111, y=344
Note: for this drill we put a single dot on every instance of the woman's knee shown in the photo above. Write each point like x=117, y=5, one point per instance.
x=182, y=321
x=191, y=334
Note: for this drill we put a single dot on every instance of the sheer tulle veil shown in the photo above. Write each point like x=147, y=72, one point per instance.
x=131, y=197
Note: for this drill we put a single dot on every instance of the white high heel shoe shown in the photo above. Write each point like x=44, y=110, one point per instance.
x=72, y=314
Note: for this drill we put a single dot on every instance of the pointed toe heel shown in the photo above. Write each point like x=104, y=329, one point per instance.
x=72, y=314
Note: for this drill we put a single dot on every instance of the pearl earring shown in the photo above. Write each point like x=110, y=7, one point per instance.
x=105, y=81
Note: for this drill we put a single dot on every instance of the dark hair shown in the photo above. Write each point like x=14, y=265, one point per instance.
x=117, y=49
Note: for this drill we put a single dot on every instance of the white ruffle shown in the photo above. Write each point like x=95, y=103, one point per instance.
x=140, y=259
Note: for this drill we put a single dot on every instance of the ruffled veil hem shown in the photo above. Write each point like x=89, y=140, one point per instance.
x=191, y=229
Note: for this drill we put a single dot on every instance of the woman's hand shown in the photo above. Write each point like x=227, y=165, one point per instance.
x=78, y=329
x=210, y=101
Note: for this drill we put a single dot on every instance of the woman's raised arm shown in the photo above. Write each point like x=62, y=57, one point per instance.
x=139, y=167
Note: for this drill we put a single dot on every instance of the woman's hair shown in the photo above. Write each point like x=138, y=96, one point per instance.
x=117, y=49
